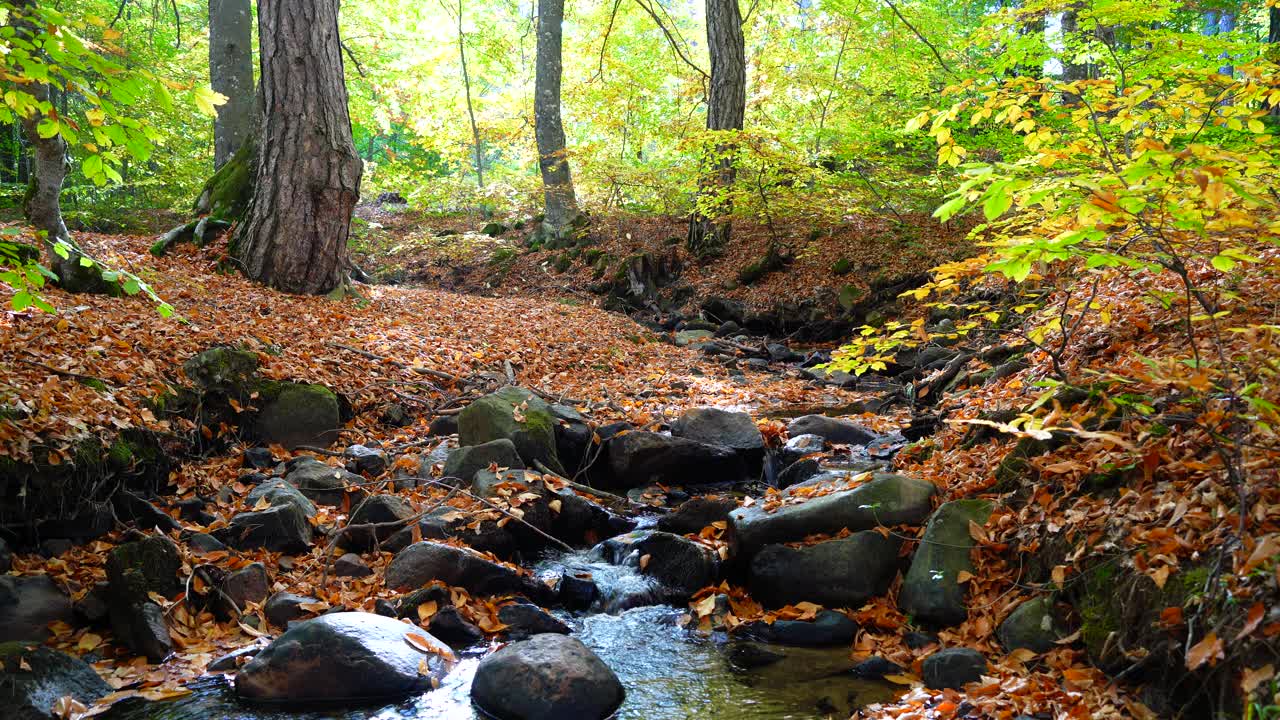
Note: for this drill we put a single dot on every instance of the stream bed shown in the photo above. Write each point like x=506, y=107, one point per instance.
x=669, y=674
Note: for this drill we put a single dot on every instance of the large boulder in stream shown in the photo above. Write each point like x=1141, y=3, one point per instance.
x=33, y=678
x=547, y=677
x=514, y=414
x=836, y=573
x=931, y=591
x=425, y=561
x=681, y=566
x=713, y=426
x=639, y=458
x=885, y=500
x=833, y=430
x=27, y=606
x=345, y=657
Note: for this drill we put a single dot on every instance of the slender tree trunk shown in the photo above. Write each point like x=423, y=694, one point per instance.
x=560, y=203
x=294, y=233
x=471, y=111
x=726, y=106
x=231, y=73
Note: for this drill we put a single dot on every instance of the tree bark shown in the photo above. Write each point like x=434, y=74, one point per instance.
x=471, y=111
x=559, y=202
x=42, y=204
x=294, y=234
x=231, y=73
x=726, y=105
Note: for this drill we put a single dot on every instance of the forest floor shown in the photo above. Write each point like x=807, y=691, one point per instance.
x=374, y=350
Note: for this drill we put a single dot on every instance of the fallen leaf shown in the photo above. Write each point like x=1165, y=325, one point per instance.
x=1208, y=650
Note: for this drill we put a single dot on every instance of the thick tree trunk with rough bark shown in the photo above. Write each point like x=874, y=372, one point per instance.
x=231, y=73
x=294, y=233
x=560, y=203
x=726, y=106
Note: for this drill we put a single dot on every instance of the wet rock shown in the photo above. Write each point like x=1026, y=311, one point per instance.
x=234, y=659
x=953, y=668
x=836, y=573
x=641, y=458
x=519, y=416
x=28, y=604
x=94, y=607
x=450, y=627
x=322, y=484
x=55, y=547
x=283, y=608
x=375, y=510
x=697, y=513
x=798, y=472
x=300, y=414
x=576, y=593
x=259, y=458
x=749, y=655
x=464, y=462
x=524, y=620
x=6, y=556
x=443, y=425
x=734, y=430
x=799, y=446
x=365, y=460
x=884, y=500
x=351, y=565
x=583, y=522
x=281, y=528
x=828, y=628
x=875, y=668
x=34, y=678
x=919, y=640
x=1031, y=625
x=250, y=584
x=343, y=657
x=143, y=514
x=134, y=571
x=548, y=677
x=396, y=415
x=834, y=430
x=205, y=543
x=679, y=564
x=931, y=591
x=423, y=562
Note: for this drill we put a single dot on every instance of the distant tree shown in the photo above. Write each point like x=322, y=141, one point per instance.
x=726, y=107
x=231, y=74
x=560, y=203
x=294, y=233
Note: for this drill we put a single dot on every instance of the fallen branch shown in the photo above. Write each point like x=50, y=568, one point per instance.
x=438, y=374
x=491, y=505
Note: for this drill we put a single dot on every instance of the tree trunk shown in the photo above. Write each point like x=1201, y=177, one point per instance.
x=42, y=204
x=231, y=73
x=560, y=203
x=294, y=234
x=471, y=111
x=726, y=106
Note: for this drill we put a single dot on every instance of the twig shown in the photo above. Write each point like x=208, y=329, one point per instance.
x=438, y=374
x=550, y=538
x=63, y=373
x=921, y=37
x=373, y=528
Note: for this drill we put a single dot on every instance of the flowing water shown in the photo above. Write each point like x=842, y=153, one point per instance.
x=668, y=672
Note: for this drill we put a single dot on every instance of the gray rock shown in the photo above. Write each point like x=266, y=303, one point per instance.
x=640, y=458
x=734, y=430
x=282, y=528
x=323, y=484
x=28, y=604
x=828, y=628
x=798, y=472
x=449, y=626
x=485, y=483
x=799, y=446
x=283, y=608
x=884, y=500
x=697, y=513
x=278, y=492
x=259, y=458
x=366, y=460
x=250, y=584
x=953, y=668
x=875, y=668
x=205, y=543
x=300, y=414
x=679, y=564
x=423, y=562
x=524, y=620
x=465, y=462
x=234, y=659
x=519, y=416
x=1031, y=625
x=351, y=565
x=134, y=571
x=222, y=369
x=836, y=573
x=6, y=556
x=30, y=694
x=931, y=592
x=375, y=510
x=342, y=657
x=547, y=677
x=834, y=430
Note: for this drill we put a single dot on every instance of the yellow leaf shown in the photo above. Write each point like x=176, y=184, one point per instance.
x=427, y=610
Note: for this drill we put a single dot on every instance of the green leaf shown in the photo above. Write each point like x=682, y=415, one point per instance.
x=999, y=200
x=1223, y=263
x=949, y=208
x=131, y=286
x=21, y=301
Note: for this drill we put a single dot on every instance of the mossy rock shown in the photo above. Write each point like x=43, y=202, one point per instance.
x=931, y=590
x=515, y=414
x=227, y=370
x=494, y=229
x=299, y=414
x=563, y=263
x=842, y=266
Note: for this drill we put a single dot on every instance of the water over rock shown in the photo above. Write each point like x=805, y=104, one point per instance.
x=27, y=606
x=33, y=678
x=345, y=657
x=680, y=565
